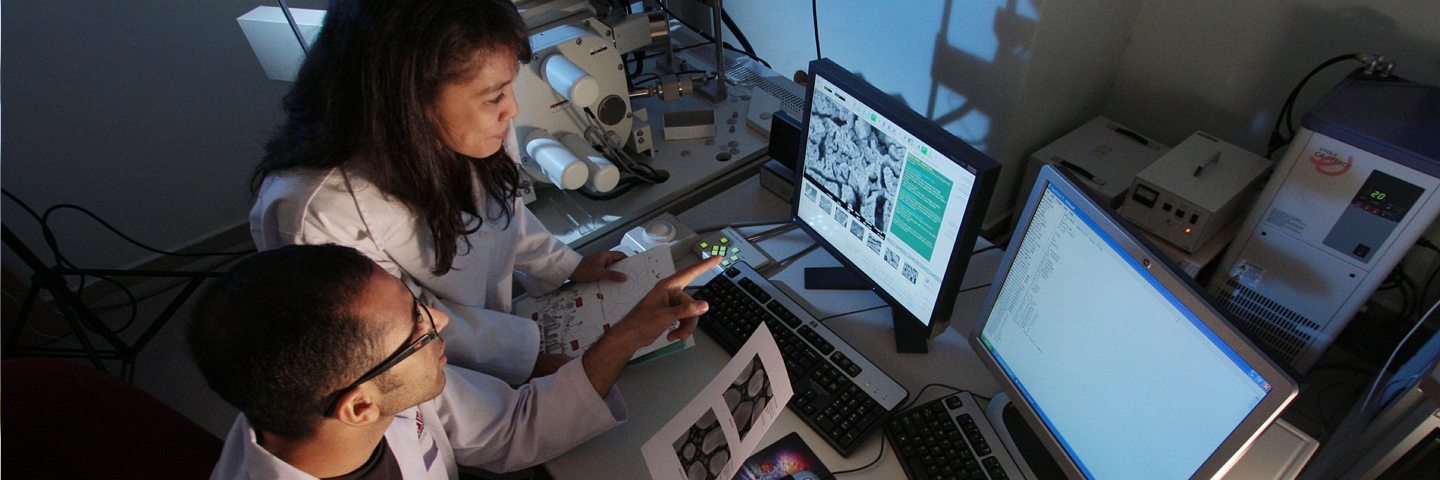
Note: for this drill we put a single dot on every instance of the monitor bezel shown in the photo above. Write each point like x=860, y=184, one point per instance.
x=1189, y=293
x=985, y=169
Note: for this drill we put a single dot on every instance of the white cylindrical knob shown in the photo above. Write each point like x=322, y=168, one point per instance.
x=660, y=232
x=603, y=175
x=570, y=80
x=560, y=166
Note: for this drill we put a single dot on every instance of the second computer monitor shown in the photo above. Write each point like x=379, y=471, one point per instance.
x=893, y=196
x=1115, y=359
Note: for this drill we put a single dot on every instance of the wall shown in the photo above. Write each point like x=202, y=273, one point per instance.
x=1226, y=67
x=151, y=114
x=1006, y=76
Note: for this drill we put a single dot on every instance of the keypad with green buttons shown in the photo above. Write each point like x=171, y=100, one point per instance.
x=721, y=247
x=731, y=246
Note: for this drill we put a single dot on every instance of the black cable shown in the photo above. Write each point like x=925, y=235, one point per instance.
x=756, y=223
x=1428, y=283
x=1412, y=300
x=986, y=249
x=863, y=310
x=83, y=280
x=771, y=270
x=709, y=38
x=927, y=386
x=740, y=37
x=294, y=28
x=815, y=21
x=647, y=173
x=61, y=261
x=686, y=24
x=1286, y=114
x=865, y=466
x=727, y=47
x=974, y=288
x=65, y=206
x=656, y=77
x=1426, y=243
x=625, y=185
x=639, y=57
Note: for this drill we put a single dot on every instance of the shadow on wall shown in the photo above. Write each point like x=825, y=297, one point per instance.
x=971, y=96
x=1308, y=36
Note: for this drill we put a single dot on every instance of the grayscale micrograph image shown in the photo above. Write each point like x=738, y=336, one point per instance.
x=748, y=395
x=873, y=242
x=702, y=450
x=855, y=162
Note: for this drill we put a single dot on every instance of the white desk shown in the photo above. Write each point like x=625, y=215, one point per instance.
x=656, y=391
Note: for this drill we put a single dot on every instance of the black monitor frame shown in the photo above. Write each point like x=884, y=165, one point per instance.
x=985, y=169
x=1191, y=294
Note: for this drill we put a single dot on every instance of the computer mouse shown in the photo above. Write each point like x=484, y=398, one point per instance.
x=801, y=475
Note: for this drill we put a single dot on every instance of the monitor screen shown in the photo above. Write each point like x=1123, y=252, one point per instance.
x=1131, y=373
x=890, y=194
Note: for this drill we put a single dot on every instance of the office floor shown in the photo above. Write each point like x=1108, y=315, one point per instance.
x=164, y=370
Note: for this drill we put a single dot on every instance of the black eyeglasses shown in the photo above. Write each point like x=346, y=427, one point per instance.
x=394, y=359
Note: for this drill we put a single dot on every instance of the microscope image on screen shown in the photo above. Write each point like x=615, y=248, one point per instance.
x=855, y=163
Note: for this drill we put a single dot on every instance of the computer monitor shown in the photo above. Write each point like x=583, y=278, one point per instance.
x=897, y=199
x=1114, y=357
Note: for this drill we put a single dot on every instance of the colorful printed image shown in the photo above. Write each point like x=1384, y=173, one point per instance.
x=787, y=456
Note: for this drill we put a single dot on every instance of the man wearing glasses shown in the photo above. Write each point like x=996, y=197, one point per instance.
x=340, y=373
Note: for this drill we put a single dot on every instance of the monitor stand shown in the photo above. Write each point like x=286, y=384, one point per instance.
x=910, y=335
x=1020, y=440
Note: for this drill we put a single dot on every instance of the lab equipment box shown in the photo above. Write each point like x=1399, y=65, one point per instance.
x=1103, y=155
x=1195, y=190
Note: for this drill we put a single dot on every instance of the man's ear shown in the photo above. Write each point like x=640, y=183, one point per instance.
x=360, y=406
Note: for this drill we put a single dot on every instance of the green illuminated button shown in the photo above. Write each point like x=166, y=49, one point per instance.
x=735, y=257
x=724, y=239
x=724, y=263
x=704, y=245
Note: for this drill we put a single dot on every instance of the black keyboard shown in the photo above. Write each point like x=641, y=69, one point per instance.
x=949, y=438
x=838, y=392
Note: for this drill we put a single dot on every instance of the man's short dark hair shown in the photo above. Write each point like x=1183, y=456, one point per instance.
x=277, y=335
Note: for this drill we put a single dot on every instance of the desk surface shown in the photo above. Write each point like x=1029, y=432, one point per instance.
x=656, y=391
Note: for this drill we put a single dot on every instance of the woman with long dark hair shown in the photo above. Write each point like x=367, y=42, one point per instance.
x=398, y=144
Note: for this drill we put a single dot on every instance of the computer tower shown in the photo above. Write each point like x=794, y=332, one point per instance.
x=1354, y=191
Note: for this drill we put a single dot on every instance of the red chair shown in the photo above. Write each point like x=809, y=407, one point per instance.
x=65, y=420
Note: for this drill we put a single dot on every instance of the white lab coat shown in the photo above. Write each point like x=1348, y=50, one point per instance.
x=477, y=421
x=307, y=206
